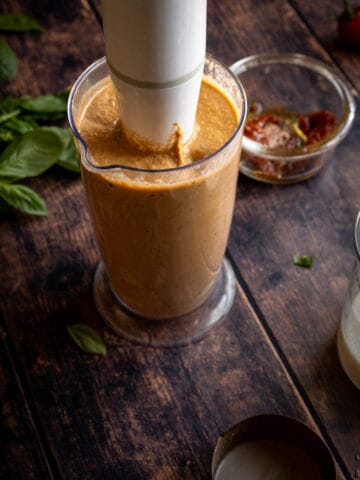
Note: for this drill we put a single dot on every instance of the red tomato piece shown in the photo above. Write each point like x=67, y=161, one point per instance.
x=317, y=125
x=348, y=27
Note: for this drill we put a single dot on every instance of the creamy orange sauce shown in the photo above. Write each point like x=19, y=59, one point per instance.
x=162, y=236
x=101, y=127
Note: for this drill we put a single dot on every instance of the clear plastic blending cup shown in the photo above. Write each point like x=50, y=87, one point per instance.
x=348, y=341
x=163, y=279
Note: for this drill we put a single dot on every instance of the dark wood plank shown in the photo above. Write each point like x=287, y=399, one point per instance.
x=147, y=413
x=322, y=21
x=301, y=308
x=25, y=453
x=238, y=29
x=22, y=455
x=52, y=60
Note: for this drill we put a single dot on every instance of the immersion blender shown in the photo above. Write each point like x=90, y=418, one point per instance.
x=155, y=51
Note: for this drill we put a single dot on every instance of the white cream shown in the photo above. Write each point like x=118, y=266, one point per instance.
x=268, y=460
x=349, y=339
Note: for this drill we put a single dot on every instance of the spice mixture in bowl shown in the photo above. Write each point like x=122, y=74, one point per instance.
x=299, y=110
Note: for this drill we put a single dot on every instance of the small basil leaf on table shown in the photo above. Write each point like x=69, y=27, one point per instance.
x=305, y=261
x=8, y=62
x=18, y=23
x=87, y=338
x=31, y=154
x=23, y=198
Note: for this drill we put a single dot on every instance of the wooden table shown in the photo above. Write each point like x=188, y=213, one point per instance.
x=146, y=413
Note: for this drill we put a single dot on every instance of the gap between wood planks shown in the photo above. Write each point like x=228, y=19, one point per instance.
x=34, y=419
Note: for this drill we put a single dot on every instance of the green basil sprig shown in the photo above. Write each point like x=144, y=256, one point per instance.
x=27, y=147
x=87, y=338
x=41, y=108
x=8, y=61
x=23, y=114
x=18, y=23
x=30, y=155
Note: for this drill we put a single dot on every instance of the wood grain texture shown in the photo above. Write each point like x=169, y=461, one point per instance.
x=22, y=455
x=147, y=413
x=322, y=23
x=53, y=59
x=143, y=413
x=237, y=29
x=302, y=308
x=48, y=62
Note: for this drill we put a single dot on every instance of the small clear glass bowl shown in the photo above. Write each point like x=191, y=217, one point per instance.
x=292, y=82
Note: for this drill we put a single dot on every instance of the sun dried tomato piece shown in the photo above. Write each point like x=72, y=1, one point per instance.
x=348, y=26
x=261, y=129
x=317, y=125
x=287, y=132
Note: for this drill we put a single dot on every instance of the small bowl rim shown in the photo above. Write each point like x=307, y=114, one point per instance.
x=275, y=426
x=318, y=66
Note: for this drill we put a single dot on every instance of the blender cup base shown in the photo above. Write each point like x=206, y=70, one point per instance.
x=171, y=332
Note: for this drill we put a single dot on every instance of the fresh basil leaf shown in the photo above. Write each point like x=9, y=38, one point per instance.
x=8, y=62
x=30, y=154
x=303, y=261
x=20, y=125
x=9, y=104
x=87, y=338
x=23, y=198
x=63, y=95
x=18, y=23
x=64, y=134
x=45, y=118
x=44, y=104
x=69, y=158
x=43, y=107
x=6, y=116
x=6, y=135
